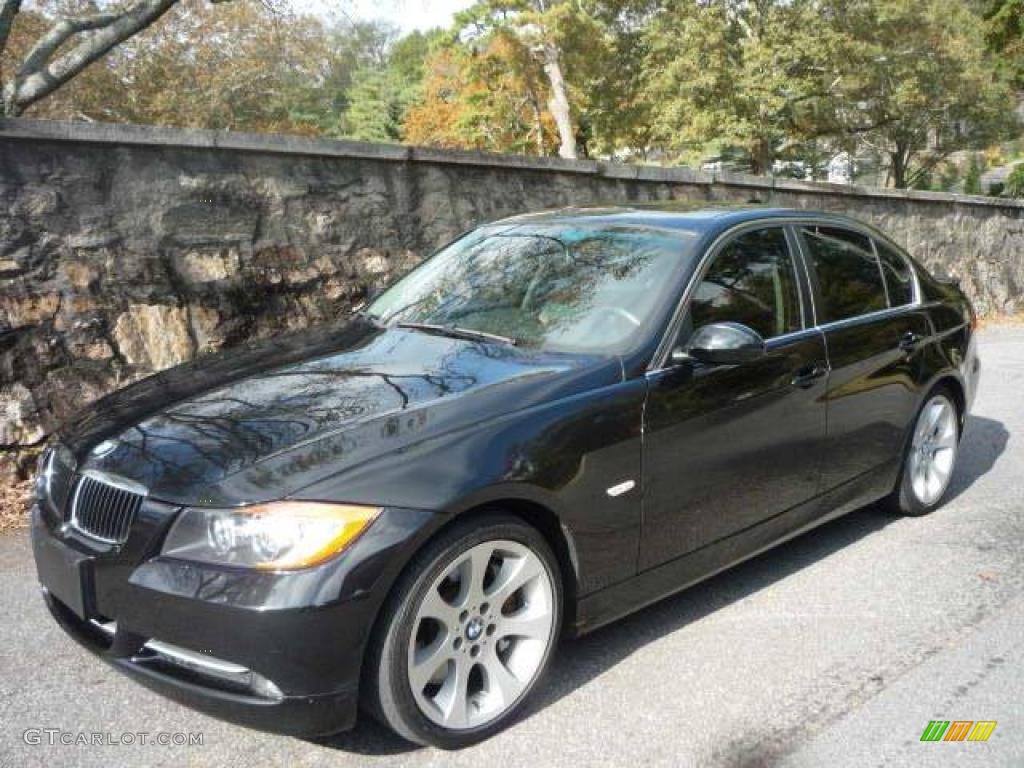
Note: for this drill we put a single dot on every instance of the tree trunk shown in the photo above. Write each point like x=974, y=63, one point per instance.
x=8, y=10
x=762, y=157
x=538, y=121
x=559, y=102
x=898, y=167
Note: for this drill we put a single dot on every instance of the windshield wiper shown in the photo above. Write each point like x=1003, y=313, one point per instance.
x=459, y=333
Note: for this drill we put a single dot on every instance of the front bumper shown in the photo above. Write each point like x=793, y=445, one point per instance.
x=281, y=652
x=307, y=716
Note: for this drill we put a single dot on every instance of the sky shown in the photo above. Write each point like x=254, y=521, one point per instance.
x=407, y=15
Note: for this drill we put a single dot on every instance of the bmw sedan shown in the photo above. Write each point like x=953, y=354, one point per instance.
x=553, y=421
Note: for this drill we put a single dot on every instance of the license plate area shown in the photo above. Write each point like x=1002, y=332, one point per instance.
x=65, y=572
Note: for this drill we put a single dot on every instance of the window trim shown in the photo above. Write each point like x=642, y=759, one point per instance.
x=808, y=290
x=915, y=284
x=793, y=258
x=664, y=347
x=816, y=277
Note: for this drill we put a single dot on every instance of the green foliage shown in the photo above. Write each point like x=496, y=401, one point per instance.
x=1015, y=182
x=381, y=94
x=922, y=84
x=1004, y=34
x=760, y=75
x=972, y=181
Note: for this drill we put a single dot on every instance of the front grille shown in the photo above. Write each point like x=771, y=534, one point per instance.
x=102, y=510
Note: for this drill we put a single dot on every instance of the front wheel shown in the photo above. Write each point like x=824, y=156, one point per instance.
x=931, y=456
x=467, y=633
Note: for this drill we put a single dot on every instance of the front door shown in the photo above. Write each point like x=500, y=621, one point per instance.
x=727, y=447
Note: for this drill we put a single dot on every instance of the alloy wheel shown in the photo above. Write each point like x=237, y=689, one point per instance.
x=933, y=450
x=481, y=634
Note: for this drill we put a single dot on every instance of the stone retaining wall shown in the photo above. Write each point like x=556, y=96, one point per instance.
x=127, y=249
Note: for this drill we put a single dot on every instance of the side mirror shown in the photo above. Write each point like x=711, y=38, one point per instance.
x=724, y=344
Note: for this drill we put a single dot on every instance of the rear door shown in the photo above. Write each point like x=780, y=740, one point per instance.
x=865, y=297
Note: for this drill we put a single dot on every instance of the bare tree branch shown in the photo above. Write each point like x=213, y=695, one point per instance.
x=38, y=76
x=59, y=34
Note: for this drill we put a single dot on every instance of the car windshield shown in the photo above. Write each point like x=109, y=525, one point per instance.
x=562, y=288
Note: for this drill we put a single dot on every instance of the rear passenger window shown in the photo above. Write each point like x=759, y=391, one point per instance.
x=849, y=277
x=898, y=277
x=751, y=281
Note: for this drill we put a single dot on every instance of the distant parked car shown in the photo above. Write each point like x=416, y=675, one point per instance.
x=555, y=420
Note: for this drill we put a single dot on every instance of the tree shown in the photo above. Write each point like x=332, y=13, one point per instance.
x=605, y=47
x=1014, y=186
x=752, y=73
x=972, y=181
x=488, y=97
x=918, y=83
x=1004, y=34
x=351, y=48
x=68, y=46
x=381, y=94
x=538, y=25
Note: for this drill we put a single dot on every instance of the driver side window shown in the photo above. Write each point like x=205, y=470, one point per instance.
x=751, y=281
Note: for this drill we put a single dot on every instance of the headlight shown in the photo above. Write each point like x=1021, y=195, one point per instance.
x=282, y=535
x=44, y=471
x=53, y=475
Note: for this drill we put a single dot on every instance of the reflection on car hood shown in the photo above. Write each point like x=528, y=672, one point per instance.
x=311, y=404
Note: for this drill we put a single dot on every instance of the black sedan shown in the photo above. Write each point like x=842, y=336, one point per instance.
x=555, y=420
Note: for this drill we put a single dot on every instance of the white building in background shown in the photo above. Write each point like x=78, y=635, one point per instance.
x=840, y=169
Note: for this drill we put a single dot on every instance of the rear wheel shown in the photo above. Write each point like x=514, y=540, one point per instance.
x=467, y=633
x=931, y=456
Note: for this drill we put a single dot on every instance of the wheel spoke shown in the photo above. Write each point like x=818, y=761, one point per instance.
x=438, y=609
x=934, y=483
x=480, y=557
x=500, y=681
x=514, y=574
x=943, y=460
x=472, y=570
x=947, y=439
x=529, y=623
x=457, y=701
x=427, y=661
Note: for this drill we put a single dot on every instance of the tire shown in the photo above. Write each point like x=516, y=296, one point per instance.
x=443, y=628
x=930, y=456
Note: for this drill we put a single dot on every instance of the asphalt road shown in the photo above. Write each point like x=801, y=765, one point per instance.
x=835, y=649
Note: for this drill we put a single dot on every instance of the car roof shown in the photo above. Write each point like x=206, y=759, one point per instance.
x=692, y=217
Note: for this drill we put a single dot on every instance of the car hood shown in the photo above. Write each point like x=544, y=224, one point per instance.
x=266, y=419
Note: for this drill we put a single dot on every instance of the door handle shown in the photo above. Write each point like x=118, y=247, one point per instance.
x=909, y=341
x=806, y=376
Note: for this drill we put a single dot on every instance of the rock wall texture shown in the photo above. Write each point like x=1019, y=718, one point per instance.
x=125, y=250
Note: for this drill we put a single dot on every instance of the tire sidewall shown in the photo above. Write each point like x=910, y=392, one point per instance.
x=395, y=696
